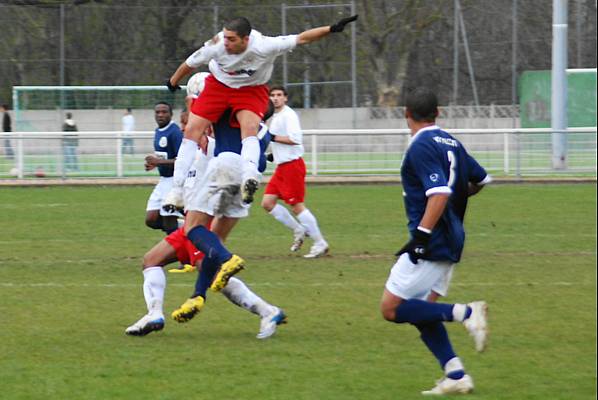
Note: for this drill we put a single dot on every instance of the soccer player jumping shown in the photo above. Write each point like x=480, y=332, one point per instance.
x=240, y=60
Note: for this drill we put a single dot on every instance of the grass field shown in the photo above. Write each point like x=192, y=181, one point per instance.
x=70, y=283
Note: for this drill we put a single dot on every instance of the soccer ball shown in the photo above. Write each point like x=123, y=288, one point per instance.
x=14, y=172
x=196, y=83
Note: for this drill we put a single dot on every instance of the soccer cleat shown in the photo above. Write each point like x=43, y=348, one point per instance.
x=298, y=239
x=451, y=386
x=248, y=189
x=183, y=269
x=228, y=269
x=188, y=310
x=145, y=325
x=174, y=200
x=477, y=324
x=270, y=322
x=317, y=250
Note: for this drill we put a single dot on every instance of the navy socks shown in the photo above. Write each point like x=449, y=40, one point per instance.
x=417, y=311
x=208, y=243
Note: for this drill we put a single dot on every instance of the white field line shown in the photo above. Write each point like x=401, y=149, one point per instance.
x=280, y=284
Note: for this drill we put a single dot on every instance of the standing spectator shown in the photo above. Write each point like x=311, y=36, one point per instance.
x=288, y=181
x=128, y=124
x=70, y=143
x=7, y=127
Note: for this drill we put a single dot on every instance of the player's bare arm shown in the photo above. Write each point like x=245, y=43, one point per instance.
x=182, y=71
x=283, y=140
x=434, y=209
x=312, y=35
x=474, y=189
x=417, y=246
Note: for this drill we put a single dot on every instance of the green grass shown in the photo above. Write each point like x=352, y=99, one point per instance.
x=70, y=283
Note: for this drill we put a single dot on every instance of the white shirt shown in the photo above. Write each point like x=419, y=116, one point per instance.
x=128, y=123
x=250, y=68
x=286, y=123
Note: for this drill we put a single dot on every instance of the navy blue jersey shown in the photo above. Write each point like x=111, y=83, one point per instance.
x=167, y=141
x=434, y=163
x=229, y=139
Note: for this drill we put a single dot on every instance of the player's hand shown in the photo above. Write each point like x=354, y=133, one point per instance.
x=151, y=161
x=340, y=25
x=171, y=87
x=417, y=247
x=270, y=157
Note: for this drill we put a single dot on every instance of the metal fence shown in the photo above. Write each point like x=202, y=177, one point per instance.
x=504, y=152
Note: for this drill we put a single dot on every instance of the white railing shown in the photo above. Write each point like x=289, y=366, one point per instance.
x=509, y=152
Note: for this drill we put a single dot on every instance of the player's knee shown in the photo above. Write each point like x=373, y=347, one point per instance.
x=154, y=223
x=388, y=313
x=268, y=204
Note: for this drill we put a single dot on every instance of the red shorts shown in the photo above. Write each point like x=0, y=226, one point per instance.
x=216, y=98
x=186, y=252
x=288, y=182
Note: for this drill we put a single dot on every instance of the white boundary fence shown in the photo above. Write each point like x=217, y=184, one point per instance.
x=506, y=152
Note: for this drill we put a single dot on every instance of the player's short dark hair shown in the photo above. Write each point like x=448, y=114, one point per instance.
x=4, y=105
x=240, y=25
x=422, y=103
x=281, y=88
x=129, y=109
x=166, y=104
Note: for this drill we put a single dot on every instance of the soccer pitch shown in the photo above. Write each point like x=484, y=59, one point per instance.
x=70, y=283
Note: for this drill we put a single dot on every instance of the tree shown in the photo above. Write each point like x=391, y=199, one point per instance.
x=390, y=30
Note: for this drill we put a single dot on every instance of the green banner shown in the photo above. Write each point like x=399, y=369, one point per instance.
x=535, y=98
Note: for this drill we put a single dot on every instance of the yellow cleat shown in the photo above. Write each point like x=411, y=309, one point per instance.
x=183, y=269
x=227, y=270
x=188, y=310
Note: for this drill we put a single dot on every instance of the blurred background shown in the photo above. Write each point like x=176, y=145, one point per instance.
x=489, y=61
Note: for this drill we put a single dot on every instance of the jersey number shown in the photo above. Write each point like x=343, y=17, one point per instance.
x=453, y=167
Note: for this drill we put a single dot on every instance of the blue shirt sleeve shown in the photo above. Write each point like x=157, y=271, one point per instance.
x=429, y=166
x=477, y=173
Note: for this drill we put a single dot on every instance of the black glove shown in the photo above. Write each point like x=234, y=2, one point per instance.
x=171, y=87
x=340, y=25
x=270, y=157
x=417, y=247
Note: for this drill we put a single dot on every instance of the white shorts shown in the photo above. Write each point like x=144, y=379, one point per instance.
x=218, y=191
x=416, y=281
x=157, y=197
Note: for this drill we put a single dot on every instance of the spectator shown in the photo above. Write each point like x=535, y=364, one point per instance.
x=128, y=125
x=7, y=127
x=70, y=143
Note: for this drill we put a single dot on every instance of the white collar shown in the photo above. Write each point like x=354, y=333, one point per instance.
x=166, y=127
x=427, y=128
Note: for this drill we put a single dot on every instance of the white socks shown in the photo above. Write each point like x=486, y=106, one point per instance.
x=310, y=224
x=154, y=284
x=453, y=365
x=238, y=293
x=284, y=216
x=250, y=155
x=184, y=161
x=459, y=312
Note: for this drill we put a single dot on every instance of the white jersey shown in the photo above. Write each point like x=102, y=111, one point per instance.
x=286, y=123
x=250, y=68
